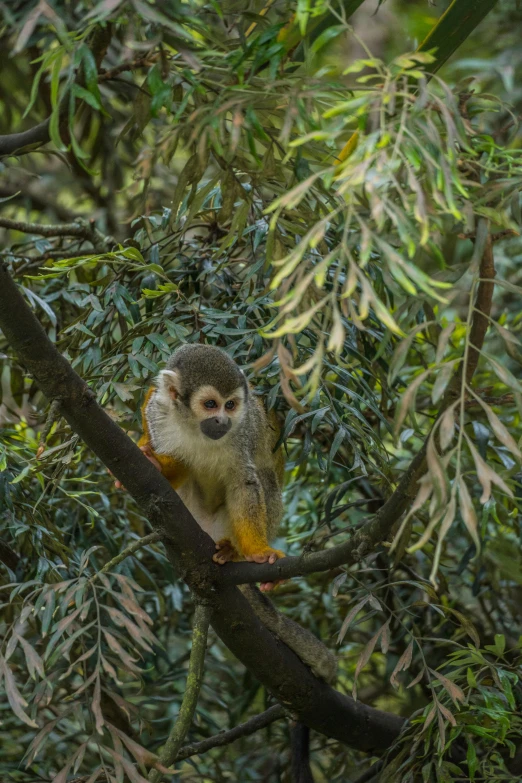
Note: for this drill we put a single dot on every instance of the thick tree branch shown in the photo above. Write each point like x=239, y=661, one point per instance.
x=250, y=726
x=188, y=547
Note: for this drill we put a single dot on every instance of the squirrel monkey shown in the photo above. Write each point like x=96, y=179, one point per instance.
x=213, y=441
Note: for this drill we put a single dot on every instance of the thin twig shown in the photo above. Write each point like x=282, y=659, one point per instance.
x=52, y=416
x=105, y=75
x=499, y=235
x=226, y=737
x=80, y=228
x=129, y=550
x=194, y=680
x=483, y=302
x=504, y=399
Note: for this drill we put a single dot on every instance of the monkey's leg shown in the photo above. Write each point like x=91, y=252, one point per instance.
x=247, y=511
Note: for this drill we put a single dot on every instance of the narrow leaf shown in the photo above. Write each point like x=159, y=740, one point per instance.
x=402, y=664
x=468, y=513
x=350, y=618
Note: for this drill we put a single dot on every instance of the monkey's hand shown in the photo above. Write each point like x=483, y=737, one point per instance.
x=147, y=450
x=174, y=471
x=226, y=552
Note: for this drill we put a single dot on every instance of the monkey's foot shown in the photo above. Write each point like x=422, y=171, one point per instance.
x=266, y=555
x=226, y=552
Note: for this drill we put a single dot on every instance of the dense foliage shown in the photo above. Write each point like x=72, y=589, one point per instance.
x=231, y=175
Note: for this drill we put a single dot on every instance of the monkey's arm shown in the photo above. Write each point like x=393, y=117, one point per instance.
x=174, y=471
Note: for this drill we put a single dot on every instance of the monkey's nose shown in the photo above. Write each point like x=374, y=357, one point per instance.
x=215, y=427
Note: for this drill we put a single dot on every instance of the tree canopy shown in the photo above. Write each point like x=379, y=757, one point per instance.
x=331, y=193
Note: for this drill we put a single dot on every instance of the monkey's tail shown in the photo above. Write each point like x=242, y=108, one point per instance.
x=300, y=753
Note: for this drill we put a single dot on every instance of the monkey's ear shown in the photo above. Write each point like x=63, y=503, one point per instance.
x=168, y=382
x=245, y=383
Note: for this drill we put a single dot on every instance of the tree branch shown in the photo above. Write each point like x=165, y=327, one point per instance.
x=129, y=550
x=81, y=228
x=258, y=722
x=105, y=75
x=190, y=697
x=15, y=142
x=483, y=303
x=361, y=544
x=226, y=737
x=188, y=547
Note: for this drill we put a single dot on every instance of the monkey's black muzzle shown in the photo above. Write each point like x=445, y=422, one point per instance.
x=215, y=428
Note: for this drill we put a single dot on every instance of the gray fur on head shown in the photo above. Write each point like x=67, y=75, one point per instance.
x=201, y=365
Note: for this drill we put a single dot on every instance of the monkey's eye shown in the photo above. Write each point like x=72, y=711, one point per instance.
x=210, y=404
x=230, y=405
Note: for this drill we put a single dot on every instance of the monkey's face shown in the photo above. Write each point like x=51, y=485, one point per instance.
x=217, y=414
x=204, y=410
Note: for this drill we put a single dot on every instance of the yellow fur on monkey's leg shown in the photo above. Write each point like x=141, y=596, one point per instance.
x=253, y=545
x=252, y=542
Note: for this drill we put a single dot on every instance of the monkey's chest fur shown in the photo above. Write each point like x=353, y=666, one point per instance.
x=211, y=467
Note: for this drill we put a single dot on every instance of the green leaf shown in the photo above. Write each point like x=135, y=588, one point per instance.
x=327, y=35
x=472, y=760
x=337, y=441
x=455, y=25
x=499, y=647
x=85, y=95
x=90, y=71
